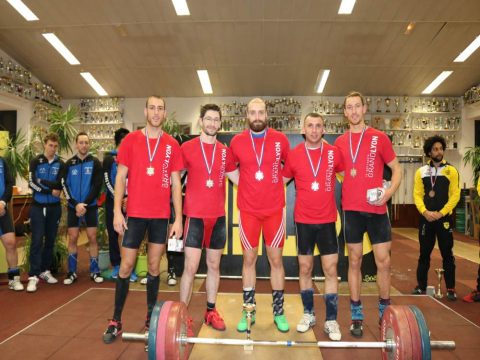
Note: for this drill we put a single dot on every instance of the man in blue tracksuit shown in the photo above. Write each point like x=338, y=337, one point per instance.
x=82, y=184
x=109, y=173
x=7, y=232
x=45, y=174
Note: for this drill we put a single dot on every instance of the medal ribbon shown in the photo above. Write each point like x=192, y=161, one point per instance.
x=209, y=168
x=259, y=160
x=150, y=155
x=354, y=157
x=432, y=180
x=314, y=171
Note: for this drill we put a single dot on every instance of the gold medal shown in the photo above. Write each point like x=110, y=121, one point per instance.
x=431, y=193
x=150, y=171
x=209, y=183
x=353, y=172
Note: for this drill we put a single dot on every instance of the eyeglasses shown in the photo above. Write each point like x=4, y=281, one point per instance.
x=215, y=120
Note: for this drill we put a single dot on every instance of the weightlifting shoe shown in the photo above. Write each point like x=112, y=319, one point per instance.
x=113, y=330
x=242, y=325
x=356, y=329
x=332, y=328
x=308, y=321
x=32, y=283
x=451, y=295
x=15, y=284
x=96, y=277
x=281, y=323
x=214, y=319
x=70, y=278
x=48, y=277
x=171, y=278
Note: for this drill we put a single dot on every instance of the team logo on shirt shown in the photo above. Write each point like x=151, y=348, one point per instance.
x=54, y=171
x=276, y=163
x=75, y=172
x=372, y=154
x=88, y=170
x=42, y=171
x=329, y=171
x=166, y=164
x=221, y=176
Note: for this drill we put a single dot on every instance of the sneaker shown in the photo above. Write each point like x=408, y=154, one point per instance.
x=113, y=330
x=32, y=283
x=332, y=328
x=133, y=276
x=308, y=321
x=70, y=279
x=418, y=291
x=451, y=295
x=115, y=271
x=214, y=319
x=356, y=329
x=190, y=332
x=281, y=322
x=474, y=296
x=242, y=324
x=96, y=277
x=48, y=277
x=15, y=284
x=143, y=281
x=172, y=278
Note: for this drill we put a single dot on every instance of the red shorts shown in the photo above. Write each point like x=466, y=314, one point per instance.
x=272, y=227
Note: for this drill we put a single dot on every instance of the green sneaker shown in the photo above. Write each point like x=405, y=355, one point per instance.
x=281, y=322
x=242, y=324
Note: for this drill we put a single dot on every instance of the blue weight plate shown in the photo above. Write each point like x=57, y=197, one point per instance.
x=424, y=333
x=152, y=331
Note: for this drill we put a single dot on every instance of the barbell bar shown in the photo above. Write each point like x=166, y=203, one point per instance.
x=403, y=330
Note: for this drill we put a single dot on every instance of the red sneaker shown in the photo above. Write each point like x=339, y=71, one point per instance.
x=474, y=296
x=190, y=332
x=214, y=319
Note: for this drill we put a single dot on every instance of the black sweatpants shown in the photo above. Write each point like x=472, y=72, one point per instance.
x=428, y=232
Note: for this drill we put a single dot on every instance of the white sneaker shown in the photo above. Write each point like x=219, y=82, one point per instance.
x=171, y=279
x=48, y=277
x=143, y=281
x=15, y=284
x=70, y=278
x=332, y=328
x=32, y=283
x=306, y=323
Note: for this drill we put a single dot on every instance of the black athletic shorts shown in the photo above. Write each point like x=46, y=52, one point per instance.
x=356, y=223
x=90, y=219
x=6, y=223
x=322, y=235
x=137, y=228
x=209, y=233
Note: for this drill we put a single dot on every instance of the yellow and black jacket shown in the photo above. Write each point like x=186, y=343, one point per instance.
x=447, y=188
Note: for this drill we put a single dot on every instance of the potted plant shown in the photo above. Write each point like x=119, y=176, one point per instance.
x=472, y=157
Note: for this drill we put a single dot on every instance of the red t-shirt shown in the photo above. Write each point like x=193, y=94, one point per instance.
x=375, y=151
x=266, y=196
x=202, y=201
x=149, y=196
x=314, y=207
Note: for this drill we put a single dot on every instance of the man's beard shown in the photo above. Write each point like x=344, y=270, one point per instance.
x=257, y=126
x=438, y=158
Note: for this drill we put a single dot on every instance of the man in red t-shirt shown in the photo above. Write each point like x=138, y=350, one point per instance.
x=152, y=160
x=365, y=152
x=207, y=161
x=259, y=152
x=313, y=164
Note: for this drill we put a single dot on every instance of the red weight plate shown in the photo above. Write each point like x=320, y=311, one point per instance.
x=162, y=331
x=395, y=326
x=175, y=329
x=417, y=353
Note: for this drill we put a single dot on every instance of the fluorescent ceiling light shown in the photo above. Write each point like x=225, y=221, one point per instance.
x=61, y=48
x=346, y=7
x=469, y=50
x=205, y=81
x=23, y=10
x=322, y=80
x=94, y=83
x=435, y=83
x=181, y=7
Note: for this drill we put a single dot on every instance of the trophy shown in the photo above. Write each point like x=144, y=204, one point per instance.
x=387, y=104
x=387, y=123
x=369, y=100
x=439, y=294
x=379, y=102
x=397, y=104
x=405, y=103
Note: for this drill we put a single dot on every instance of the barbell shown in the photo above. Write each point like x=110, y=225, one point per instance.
x=404, y=335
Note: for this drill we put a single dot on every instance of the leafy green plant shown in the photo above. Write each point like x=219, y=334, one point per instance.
x=172, y=127
x=63, y=123
x=472, y=157
x=18, y=155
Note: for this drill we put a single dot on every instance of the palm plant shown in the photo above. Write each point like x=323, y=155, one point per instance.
x=472, y=157
x=18, y=155
x=63, y=123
